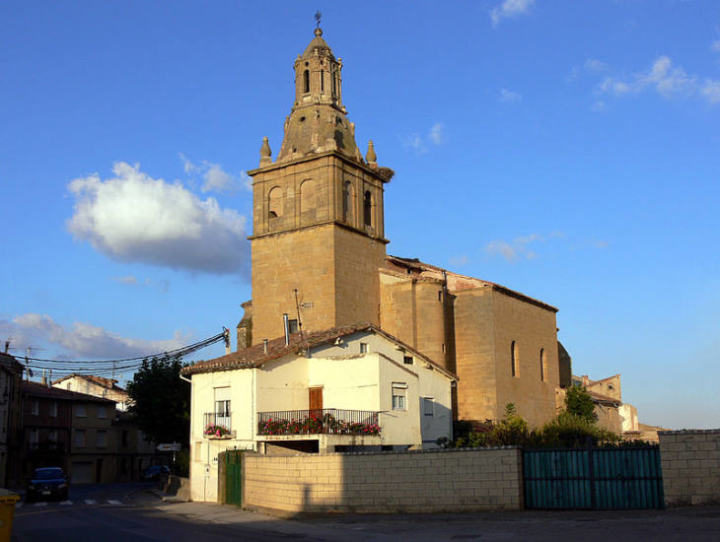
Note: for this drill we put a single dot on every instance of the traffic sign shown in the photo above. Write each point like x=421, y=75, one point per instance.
x=174, y=447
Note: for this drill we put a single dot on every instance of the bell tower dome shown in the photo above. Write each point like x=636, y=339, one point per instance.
x=318, y=119
x=318, y=217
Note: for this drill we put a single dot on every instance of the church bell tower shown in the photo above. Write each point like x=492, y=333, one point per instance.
x=318, y=222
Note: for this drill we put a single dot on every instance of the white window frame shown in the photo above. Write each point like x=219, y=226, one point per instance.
x=399, y=396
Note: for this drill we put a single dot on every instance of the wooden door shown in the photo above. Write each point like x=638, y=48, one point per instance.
x=316, y=400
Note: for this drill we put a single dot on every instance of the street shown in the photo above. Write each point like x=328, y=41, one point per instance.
x=120, y=512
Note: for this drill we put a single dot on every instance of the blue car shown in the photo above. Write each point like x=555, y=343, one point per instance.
x=48, y=483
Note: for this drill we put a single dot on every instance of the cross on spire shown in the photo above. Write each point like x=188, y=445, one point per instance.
x=318, y=16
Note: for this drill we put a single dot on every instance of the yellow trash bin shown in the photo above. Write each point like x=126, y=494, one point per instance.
x=7, y=509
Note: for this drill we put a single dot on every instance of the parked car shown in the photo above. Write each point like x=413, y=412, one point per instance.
x=156, y=472
x=47, y=483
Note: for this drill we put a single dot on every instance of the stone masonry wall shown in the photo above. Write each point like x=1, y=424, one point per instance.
x=690, y=466
x=428, y=481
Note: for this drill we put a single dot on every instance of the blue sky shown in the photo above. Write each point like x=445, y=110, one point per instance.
x=568, y=150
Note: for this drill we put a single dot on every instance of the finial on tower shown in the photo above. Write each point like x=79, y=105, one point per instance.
x=318, y=30
x=265, y=152
x=370, y=156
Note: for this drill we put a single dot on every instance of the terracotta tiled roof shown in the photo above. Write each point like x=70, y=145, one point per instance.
x=255, y=356
x=416, y=265
x=108, y=383
x=604, y=399
x=36, y=389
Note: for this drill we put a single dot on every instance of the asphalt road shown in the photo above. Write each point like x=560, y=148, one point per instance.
x=133, y=512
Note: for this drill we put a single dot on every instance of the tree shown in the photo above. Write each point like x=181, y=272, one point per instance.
x=579, y=403
x=160, y=401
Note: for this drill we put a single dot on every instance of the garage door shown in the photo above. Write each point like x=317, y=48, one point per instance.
x=82, y=473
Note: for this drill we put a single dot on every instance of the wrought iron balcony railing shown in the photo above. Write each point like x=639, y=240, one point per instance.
x=217, y=424
x=327, y=421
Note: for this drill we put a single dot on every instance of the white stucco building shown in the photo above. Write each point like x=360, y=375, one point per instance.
x=349, y=388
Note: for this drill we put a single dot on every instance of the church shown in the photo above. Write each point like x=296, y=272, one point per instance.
x=319, y=255
x=337, y=325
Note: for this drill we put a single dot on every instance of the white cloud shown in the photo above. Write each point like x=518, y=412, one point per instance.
x=416, y=143
x=666, y=79
x=129, y=279
x=508, y=96
x=84, y=340
x=510, y=8
x=420, y=144
x=595, y=65
x=598, y=106
x=519, y=248
x=436, y=133
x=710, y=90
x=135, y=218
x=214, y=177
x=715, y=46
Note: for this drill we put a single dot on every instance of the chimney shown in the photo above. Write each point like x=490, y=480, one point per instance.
x=265, y=346
x=286, y=327
x=226, y=338
x=44, y=379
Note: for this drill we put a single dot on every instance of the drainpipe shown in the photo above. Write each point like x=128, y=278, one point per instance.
x=286, y=327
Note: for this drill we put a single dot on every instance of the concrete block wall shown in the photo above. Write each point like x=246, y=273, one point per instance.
x=690, y=466
x=428, y=481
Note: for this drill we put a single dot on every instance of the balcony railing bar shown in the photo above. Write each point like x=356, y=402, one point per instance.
x=314, y=421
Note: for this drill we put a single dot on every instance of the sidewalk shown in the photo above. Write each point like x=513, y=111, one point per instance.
x=680, y=524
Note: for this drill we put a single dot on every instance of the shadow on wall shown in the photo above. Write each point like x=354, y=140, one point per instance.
x=385, y=482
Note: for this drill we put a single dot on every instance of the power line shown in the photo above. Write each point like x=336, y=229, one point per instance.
x=138, y=359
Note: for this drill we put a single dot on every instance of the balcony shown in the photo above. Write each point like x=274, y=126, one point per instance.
x=217, y=425
x=329, y=421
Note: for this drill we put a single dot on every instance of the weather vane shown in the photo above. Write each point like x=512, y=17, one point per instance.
x=318, y=16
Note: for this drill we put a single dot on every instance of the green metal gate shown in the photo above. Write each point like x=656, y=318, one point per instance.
x=593, y=478
x=233, y=477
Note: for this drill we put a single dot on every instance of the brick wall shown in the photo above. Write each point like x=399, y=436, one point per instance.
x=691, y=466
x=428, y=481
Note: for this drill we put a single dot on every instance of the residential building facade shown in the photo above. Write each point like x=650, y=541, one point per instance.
x=10, y=420
x=350, y=388
x=98, y=386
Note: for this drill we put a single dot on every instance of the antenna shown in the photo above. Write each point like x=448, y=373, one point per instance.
x=297, y=305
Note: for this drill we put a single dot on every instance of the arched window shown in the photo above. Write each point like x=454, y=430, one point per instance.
x=514, y=358
x=367, y=208
x=308, y=201
x=275, y=202
x=347, y=202
x=334, y=82
x=306, y=81
x=543, y=364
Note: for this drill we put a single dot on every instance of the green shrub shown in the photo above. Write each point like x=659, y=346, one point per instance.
x=579, y=402
x=570, y=430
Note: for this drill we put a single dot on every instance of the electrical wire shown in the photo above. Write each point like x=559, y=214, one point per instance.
x=171, y=353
